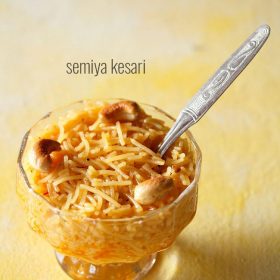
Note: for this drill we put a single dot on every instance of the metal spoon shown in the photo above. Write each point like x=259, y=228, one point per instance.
x=215, y=86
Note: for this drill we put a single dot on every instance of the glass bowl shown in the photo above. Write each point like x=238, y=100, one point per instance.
x=88, y=248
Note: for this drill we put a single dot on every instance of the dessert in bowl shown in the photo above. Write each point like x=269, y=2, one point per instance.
x=93, y=185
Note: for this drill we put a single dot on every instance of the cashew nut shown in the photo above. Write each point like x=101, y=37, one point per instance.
x=40, y=156
x=121, y=111
x=152, y=190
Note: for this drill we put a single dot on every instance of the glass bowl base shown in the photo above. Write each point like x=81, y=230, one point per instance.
x=79, y=269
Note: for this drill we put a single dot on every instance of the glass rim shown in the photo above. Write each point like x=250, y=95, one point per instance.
x=126, y=219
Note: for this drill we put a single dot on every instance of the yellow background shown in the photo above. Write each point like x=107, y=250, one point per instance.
x=236, y=232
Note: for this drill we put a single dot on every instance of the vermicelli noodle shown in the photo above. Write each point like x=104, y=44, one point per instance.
x=102, y=162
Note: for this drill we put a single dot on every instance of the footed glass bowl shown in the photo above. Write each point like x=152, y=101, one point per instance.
x=88, y=248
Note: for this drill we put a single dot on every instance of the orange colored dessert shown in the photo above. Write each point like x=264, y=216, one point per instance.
x=94, y=186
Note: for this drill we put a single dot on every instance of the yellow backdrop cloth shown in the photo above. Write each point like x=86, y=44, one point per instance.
x=236, y=231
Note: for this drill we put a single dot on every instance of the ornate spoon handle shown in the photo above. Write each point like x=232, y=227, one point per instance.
x=215, y=86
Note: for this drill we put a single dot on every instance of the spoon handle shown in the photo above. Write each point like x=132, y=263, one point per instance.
x=215, y=86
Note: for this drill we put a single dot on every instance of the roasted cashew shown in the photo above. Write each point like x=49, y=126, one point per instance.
x=152, y=190
x=40, y=156
x=121, y=111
